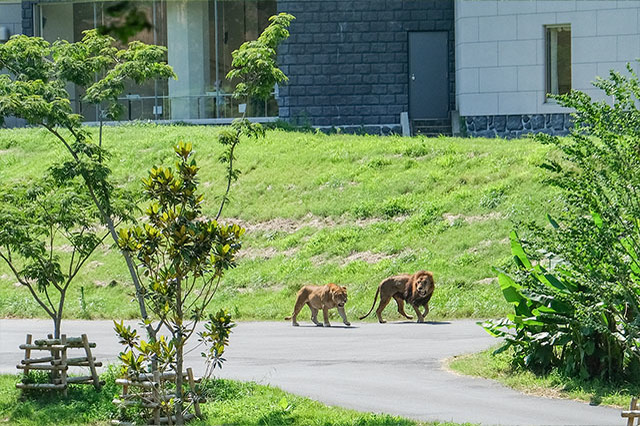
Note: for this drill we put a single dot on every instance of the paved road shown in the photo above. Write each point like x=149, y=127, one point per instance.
x=393, y=368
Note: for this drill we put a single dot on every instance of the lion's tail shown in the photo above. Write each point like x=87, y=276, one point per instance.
x=287, y=318
x=375, y=299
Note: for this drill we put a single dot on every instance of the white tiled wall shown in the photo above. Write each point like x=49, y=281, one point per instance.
x=500, y=50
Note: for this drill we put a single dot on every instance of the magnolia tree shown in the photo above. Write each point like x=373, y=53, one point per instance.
x=183, y=255
x=35, y=89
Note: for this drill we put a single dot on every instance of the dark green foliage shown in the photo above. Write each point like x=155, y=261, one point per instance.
x=576, y=292
x=130, y=22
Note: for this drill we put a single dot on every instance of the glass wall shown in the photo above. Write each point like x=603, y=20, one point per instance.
x=237, y=21
x=199, y=35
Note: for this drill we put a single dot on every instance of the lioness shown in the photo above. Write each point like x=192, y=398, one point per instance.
x=415, y=289
x=320, y=297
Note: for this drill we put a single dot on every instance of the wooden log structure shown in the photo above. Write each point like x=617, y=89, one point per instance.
x=152, y=395
x=58, y=362
x=632, y=413
x=41, y=386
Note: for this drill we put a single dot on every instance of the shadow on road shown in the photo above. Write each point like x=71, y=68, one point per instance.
x=321, y=327
x=421, y=323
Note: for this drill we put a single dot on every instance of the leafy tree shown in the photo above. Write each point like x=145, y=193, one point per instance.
x=32, y=222
x=576, y=289
x=35, y=89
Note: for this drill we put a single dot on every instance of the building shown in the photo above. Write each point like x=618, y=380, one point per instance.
x=480, y=67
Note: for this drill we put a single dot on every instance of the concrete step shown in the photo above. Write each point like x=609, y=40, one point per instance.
x=432, y=128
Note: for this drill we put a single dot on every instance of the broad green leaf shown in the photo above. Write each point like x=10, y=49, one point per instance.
x=518, y=251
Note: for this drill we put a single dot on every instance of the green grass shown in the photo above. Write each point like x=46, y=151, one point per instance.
x=229, y=403
x=346, y=209
x=554, y=385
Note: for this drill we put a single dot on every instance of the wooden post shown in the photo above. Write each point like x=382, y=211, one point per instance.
x=55, y=355
x=27, y=353
x=63, y=363
x=632, y=407
x=92, y=366
x=156, y=398
x=195, y=398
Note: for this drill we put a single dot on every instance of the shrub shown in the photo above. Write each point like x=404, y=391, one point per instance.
x=576, y=289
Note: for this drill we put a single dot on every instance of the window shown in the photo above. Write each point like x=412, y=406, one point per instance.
x=558, y=63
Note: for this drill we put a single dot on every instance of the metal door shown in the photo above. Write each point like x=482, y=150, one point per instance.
x=428, y=75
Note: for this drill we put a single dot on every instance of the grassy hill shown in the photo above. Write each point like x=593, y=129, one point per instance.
x=345, y=209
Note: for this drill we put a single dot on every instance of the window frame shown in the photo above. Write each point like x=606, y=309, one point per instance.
x=548, y=60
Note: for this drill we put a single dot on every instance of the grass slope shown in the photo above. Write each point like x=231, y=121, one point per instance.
x=229, y=403
x=346, y=209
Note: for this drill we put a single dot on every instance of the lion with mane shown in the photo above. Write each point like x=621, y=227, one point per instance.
x=415, y=289
x=320, y=297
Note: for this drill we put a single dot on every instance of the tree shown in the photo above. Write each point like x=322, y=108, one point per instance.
x=35, y=89
x=32, y=221
x=576, y=288
x=183, y=255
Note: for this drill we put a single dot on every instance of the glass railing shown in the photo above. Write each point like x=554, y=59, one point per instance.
x=195, y=107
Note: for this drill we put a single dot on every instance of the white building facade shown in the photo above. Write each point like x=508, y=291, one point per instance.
x=510, y=54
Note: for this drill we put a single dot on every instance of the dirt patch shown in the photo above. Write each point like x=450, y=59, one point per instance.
x=265, y=253
x=94, y=264
x=291, y=226
x=453, y=218
x=487, y=281
x=481, y=245
x=99, y=283
x=365, y=256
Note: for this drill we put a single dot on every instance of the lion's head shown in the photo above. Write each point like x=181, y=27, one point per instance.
x=338, y=294
x=422, y=284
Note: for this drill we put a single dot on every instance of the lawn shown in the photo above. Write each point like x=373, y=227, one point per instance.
x=342, y=208
x=552, y=385
x=230, y=403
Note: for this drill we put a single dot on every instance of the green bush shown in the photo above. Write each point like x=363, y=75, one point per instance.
x=576, y=288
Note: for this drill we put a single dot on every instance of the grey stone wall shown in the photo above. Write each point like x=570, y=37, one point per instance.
x=27, y=18
x=514, y=126
x=347, y=61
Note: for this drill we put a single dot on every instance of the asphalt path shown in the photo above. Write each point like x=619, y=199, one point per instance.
x=392, y=368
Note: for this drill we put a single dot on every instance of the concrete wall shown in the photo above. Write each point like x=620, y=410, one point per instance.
x=500, y=50
x=347, y=60
x=188, y=54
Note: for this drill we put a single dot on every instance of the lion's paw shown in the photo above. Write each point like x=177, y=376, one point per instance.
x=348, y=324
x=318, y=324
x=326, y=324
x=295, y=324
